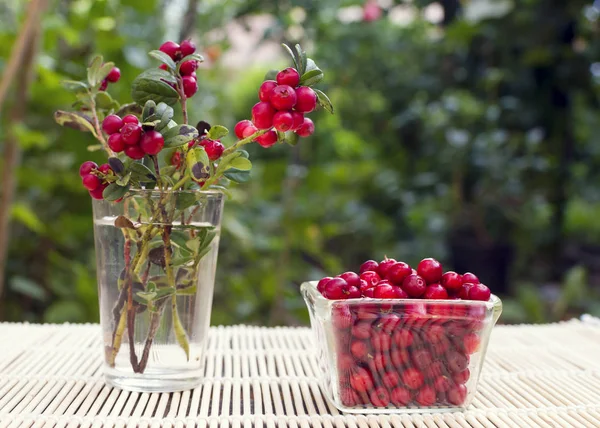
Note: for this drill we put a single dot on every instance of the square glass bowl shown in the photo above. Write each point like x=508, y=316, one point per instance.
x=400, y=355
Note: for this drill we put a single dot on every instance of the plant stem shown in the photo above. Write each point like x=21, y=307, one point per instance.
x=181, y=182
x=182, y=99
x=98, y=130
x=152, y=329
x=157, y=169
x=244, y=141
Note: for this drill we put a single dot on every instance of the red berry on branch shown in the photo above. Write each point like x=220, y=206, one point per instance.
x=187, y=47
x=176, y=159
x=103, y=87
x=371, y=265
x=152, y=142
x=430, y=270
x=479, y=292
x=240, y=127
x=283, y=121
x=283, y=97
x=114, y=75
x=190, y=86
x=112, y=124
x=131, y=133
x=262, y=115
x=97, y=192
x=249, y=130
x=163, y=67
x=414, y=285
x=214, y=149
x=131, y=118
x=289, y=77
x=435, y=291
x=105, y=168
x=170, y=48
x=306, y=129
x=134, y=152
x=298, y=120
x=306, y=99
x=266, y=89
x=91, y=182
x=116, y=143
x=188, y=67
x=452, y=281
x=470, y=277
x=87, y=167
x=267, y=140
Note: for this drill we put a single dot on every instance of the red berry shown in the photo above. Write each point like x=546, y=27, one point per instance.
x=351, y=278
x=390, y=379
x=306, y=129
x=430, y=270
x=112, y=124
x=131, y=118
x=370, y=277
x=97, y=193
x=352, y=293
x=283, y=97
x=349, y=397
x=134, y=152
x=188, y=67
x=187, y=47
x=384, y=266
x=380, y=397
x=341, y=317
x=322, y=283
x=426, y=396
x=249, y=130
x=283, y=121
x=262, y=115
x=456, y=361
x=131, y=134
x=381, y=341
x=190, y=86
x=422, y=359
x=266, y=89
x=298, y=120
x=335, y=288
x=152, y=142
x=368, y=292
x=362, y=330
x=442, y=383
x=214, y=149
x=87, y=167
x=176, y=159
x=435, y=370
x=435, y=291
x=470, y=278
x=389, y=322
x=163, y=67
x=451, y=281
x=170, y=48
x=103, y=85
x=368, y=312
x=306, y=99
x=463, y=292
x=471, y=343
x=91, y=182
x=364, y=286
x=116, y=143
x=240, y=127
x=457, y=395
x=105, y=168
x=378, y=363
x=403, y=338
x=435, y=333
x=345, y=362
x=412, y=378
x=114, y=75
x=414, y=285
x=267, y=140
x=289, y=77
x=359, y=349
x=397, y=272
x=385, y=290
x=400, y=396
x=479, y=292
x=461, y=377
x=361, y=380
x=371, y=265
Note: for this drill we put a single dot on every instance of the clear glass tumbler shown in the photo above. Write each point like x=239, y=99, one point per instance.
x=156, y=255
x=400, y=355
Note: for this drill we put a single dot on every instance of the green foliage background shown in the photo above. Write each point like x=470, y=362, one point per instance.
x=473, y=140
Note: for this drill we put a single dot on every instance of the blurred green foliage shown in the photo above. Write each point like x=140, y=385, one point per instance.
x=470, y=139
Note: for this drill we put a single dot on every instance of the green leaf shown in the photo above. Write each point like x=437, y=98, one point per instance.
x=197, y=162
x=243, y=153
x=105, y=101
x=241, y=163
x=311, y=77
x=180, y=334
x=116, y=165
x=123, y=222
x=154, y=85
x=164, y=114
x=124, y=180
x=324, y=100
x=301, y=55
x=224, y=162
x=293, y=55
x=164, y=58
x=187, y=291
x=184, y=201
x=141, y=172
x=180, y=261
x=145, y=296
x=93, y=69
x=164, y=292
x=149, y=110
x=74, y=86
x=103, y=71
x=310, y=65
x=217, y=132
x=179, y=135
x=114, y=192
x=291, y=138
x=236, y=175
x=74, y=120
x=131, y=108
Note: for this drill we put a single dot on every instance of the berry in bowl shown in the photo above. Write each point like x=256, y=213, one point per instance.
x=392, y=339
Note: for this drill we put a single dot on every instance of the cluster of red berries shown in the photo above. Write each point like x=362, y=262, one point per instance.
x=407, y=355
x=282, y=106
x=91, y=175
x=187, y=69
x=112, y=77
x=391, y=279
x=127, y=135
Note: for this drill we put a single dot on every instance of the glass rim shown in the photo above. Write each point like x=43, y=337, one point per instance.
x=179, y=191
x=311, y=287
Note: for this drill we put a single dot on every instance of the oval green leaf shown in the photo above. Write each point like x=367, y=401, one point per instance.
x=154, y=85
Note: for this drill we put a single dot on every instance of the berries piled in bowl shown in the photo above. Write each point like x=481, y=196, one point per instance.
x=395, y=339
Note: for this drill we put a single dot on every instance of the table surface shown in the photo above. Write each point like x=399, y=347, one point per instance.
x=50, y=375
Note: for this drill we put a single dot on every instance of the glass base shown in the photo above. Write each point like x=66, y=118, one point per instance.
x=153, y=382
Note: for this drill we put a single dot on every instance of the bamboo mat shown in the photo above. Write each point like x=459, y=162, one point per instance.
x=50, y=375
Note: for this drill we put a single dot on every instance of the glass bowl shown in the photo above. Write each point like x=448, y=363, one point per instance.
x=400, y=355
